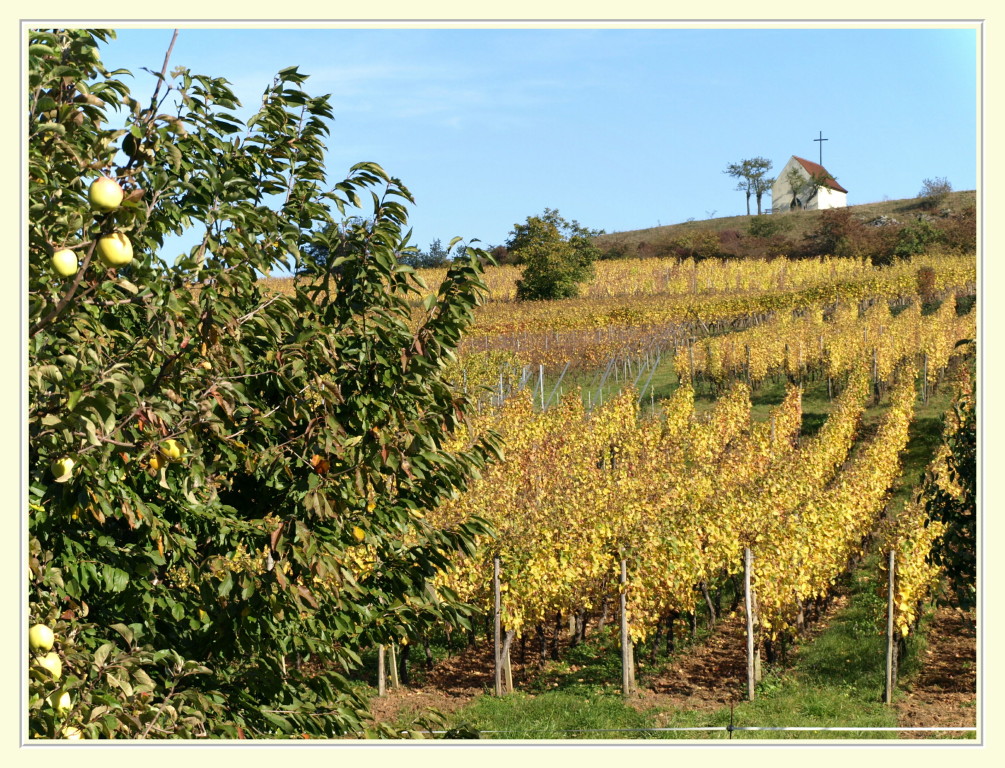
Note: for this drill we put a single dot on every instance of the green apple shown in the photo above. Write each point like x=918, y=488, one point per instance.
x=171, y=449
x=64, y=261
x=61, y=703
x=62, y=469
x=40, y=638
x=52, y=664
x=72, y=732
x=115, y=250
x=105, y=194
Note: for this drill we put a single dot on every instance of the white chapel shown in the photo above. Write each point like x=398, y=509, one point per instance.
x=817, y=190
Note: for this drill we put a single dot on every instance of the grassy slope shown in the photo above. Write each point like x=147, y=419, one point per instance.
x=801, y=222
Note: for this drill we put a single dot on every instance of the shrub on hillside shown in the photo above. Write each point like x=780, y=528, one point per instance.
x=959, y=231
x=768, y=226
x=731, y=244
x=934, y=192
x=696, y=244
x=915, y=238
x=840, y=233
x=649, y=249
x=734, y=244
x=835, y=235
x=621, y=249
x=659, y=247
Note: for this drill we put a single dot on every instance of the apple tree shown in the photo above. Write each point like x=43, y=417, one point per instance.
x=226, y=483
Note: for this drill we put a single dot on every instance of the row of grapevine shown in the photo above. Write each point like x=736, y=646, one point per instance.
x=684, y=537
x=577, y=488
x=806, y=549
x=809, y=344
x=912, y=533
x=801, y=347
x=639, y=278
x=679, y=497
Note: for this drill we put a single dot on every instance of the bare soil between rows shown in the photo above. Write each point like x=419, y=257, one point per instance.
x=712, y=674
x=944, y=692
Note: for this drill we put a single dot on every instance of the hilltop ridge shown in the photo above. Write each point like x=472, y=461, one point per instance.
x=797, y=224
x=879, y=231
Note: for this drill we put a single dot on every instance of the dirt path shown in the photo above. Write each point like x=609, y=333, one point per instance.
x=944, y=693
x=707, y=676
x=711, y=675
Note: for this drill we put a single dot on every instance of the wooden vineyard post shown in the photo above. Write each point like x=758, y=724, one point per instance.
x=381, y=672
x=875, y=373
x=394, y=666
x=497, y=621
x=627, y=676
x=632, y=688
x=746, y=348
x=749, y=608
x=690, y=359
x=924, y=377
x=507, y=665
x=823, y=360
x=708, y=604
x=891, y=648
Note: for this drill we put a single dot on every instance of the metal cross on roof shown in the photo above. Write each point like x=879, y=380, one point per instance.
x=821, y=140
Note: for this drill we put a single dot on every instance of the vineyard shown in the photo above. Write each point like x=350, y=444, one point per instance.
x=253, y=501
x=614, y=502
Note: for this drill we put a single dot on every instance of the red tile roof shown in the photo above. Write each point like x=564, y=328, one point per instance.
x=815, y=169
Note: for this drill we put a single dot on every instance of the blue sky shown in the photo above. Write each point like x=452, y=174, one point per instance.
x=619, y=129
